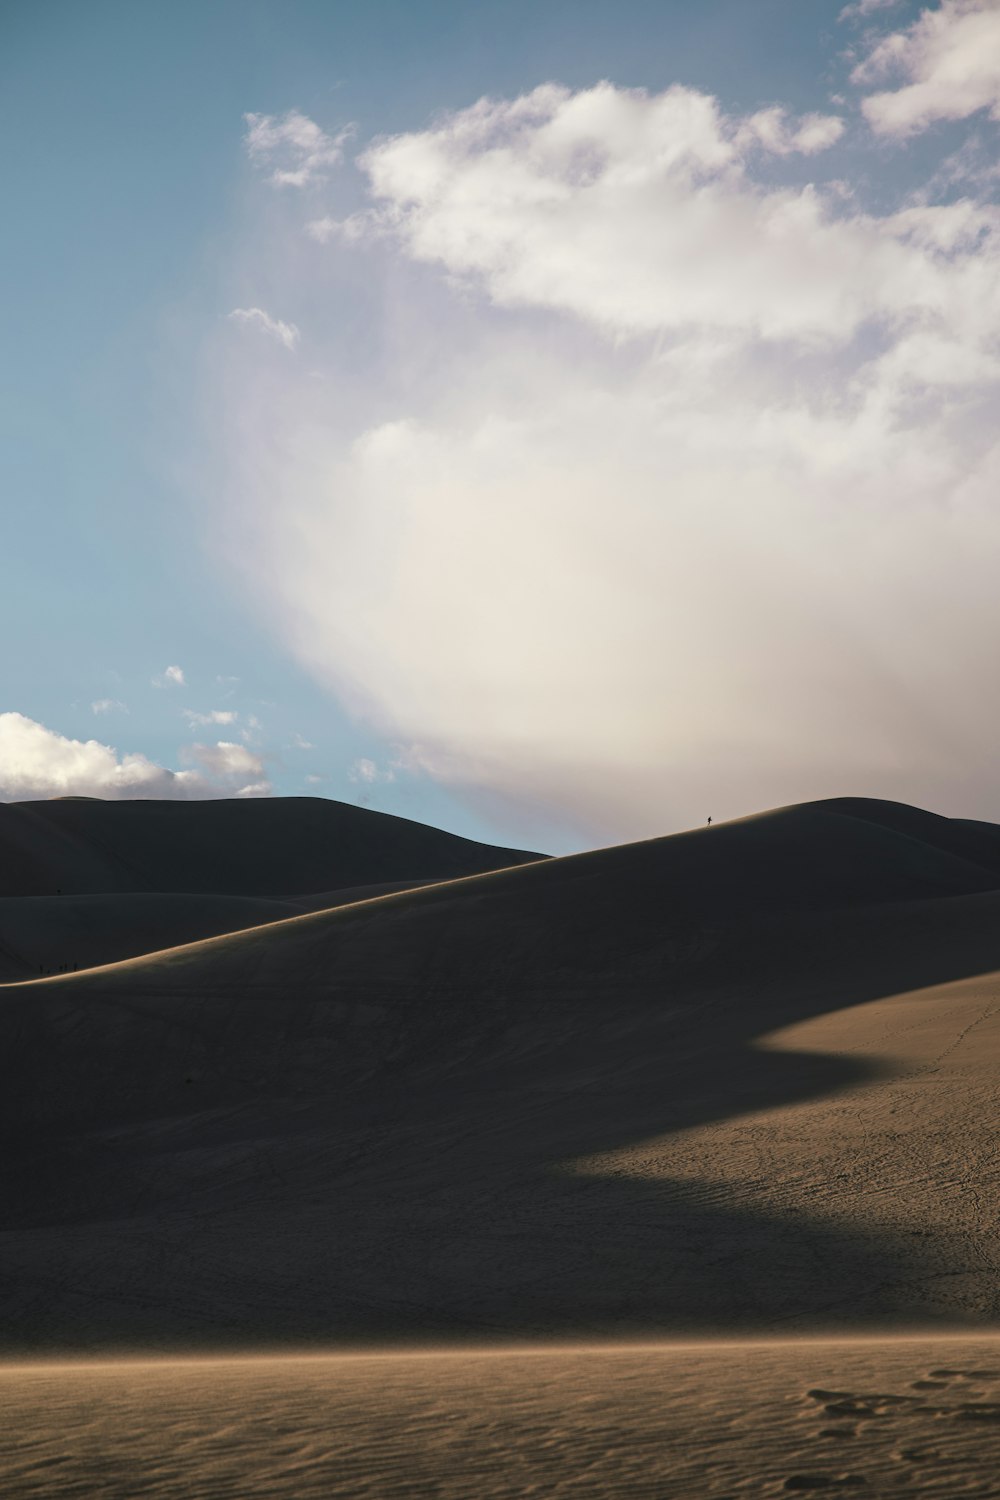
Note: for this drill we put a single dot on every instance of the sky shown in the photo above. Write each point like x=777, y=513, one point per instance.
x=555, y=422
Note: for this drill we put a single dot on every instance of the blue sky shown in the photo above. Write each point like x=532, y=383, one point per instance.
x=158, y=454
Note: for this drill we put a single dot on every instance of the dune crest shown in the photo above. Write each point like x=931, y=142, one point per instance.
x=85, y=882
x=731, y=1080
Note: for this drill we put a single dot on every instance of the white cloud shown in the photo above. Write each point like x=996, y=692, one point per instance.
x=327, y=228
x=638, y=214
x=36, y=762
x=298, y=743
x=294, y=146
x=368, y=772
x=214, y=716
x=108, y=706
x=693, y=510
x=949, y=59
x=865, y=8
x=170, y=677
x=771, y=129
x=313, y=780
x=226, y=760
x=285, y=333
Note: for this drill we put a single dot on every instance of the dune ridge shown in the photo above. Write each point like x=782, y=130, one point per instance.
x=713, y=1082
x=84, y=883
x=265, y=848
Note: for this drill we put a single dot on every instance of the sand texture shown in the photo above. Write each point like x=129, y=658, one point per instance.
x=892, y=1419
x=738, y=1080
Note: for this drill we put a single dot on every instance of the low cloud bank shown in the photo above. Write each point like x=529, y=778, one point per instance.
x=36, y=763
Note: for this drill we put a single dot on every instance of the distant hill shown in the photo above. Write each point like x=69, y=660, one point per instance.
x=736, y=1078
x=267, y=847
x=85, y=882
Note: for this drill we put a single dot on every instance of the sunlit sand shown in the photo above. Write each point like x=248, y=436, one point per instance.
x=895, y=1417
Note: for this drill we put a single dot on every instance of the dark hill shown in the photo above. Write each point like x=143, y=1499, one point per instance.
x=271, y=847
x=408, y=1118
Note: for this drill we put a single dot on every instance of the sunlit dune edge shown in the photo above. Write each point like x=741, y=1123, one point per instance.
x=706, y=1420
x=222, y=940
x=721, y=1344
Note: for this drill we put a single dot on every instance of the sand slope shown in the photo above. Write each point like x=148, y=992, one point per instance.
x=48, y=934
x=905, y=1418
x=736, y=1079
x=43, y=935
x=274, y=847
x=86, y=882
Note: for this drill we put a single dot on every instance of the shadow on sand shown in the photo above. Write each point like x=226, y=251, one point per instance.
x=363, y=1127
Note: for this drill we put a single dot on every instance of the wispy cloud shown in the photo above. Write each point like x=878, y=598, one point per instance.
x=776, y=131
x=231, y=765
x=865, y=8
x=351, y=231
x=285, y=333
x=948, y=62
x=108, y=706
x=169, y=677
x=368, y=772
x=214, y=716
x=37, y=762
x=293, y=146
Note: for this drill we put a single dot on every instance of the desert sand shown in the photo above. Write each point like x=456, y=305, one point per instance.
x=86, y=882
x=739, y=1083
x=271, y=848
x=899, y=1418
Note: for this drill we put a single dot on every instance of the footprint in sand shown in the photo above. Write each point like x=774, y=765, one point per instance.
x=984, y=1411
x=825, y=1482
x=862, y=1413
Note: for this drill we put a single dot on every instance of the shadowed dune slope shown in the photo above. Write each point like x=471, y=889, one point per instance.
x=42, y=935
x=50, y=933
x=699, y=1082
x=86, y=882
x=272, y=847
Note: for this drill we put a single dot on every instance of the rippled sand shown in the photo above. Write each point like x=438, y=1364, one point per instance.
x=899, y=1418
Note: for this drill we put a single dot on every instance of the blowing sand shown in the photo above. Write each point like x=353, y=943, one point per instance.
x=896, y=1418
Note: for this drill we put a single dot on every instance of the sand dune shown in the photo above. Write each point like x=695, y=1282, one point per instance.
x=85, y=882
x=272, y=847
x=49, y=934
x=897, y=1418
x=736, y=1079
x=43, y=935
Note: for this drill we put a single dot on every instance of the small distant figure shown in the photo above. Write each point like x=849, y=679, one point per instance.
x=709, y=822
